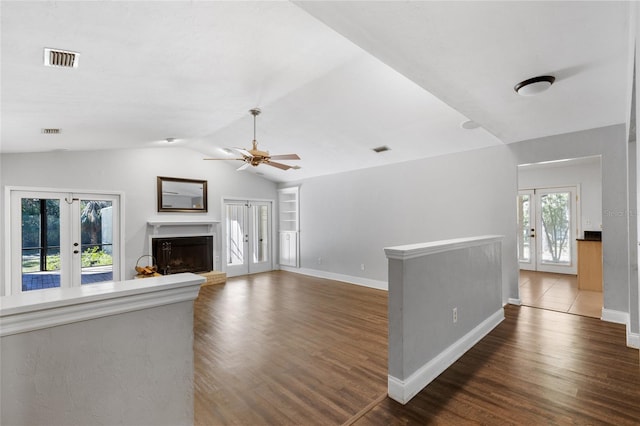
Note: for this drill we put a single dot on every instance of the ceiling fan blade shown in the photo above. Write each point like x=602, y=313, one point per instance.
x=244, y=166
x=278, y=165
x=244, y=152
x=223, y=159
x=285, y=157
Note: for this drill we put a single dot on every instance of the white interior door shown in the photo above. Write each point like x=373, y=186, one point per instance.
x=61, y=239
x=248, y=237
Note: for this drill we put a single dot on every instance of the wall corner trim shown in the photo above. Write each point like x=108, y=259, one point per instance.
x=633, y=339
x=403, y=391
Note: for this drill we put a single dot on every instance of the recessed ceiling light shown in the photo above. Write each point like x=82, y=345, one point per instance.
x=535, y=85
x=469, y=125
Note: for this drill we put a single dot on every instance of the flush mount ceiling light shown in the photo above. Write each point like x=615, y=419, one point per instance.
x=534, y=85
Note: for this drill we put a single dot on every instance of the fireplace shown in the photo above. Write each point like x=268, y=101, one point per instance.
x=183, y=254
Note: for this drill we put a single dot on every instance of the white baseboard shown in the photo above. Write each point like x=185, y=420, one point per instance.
x=617, y=317
x=403, y=391
x=365, y=282
x=514, y=301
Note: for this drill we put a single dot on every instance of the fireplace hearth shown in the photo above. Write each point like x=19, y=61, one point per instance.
x=183, y=254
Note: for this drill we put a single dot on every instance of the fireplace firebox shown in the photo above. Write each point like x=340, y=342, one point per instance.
x=183, y=254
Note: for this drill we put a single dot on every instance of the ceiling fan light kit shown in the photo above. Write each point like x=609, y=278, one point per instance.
x=534, y=86
x=254, y=157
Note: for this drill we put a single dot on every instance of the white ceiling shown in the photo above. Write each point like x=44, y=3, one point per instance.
x=334, y=79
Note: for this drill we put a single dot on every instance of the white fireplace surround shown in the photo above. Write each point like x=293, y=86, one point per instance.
x=172, y=227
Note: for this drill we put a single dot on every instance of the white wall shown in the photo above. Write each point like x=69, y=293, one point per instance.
x=585, y=172
x=347, y=219
x=134, y=172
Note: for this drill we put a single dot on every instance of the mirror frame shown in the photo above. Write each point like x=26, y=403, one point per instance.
x=203, y=209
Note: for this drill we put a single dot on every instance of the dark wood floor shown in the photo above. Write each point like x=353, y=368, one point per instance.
x=286, y=349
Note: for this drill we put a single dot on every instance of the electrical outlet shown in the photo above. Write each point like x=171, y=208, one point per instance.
x=362, y=266
x=455, y=315
x=319, y=261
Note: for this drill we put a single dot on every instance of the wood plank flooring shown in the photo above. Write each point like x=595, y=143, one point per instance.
x=286, y=349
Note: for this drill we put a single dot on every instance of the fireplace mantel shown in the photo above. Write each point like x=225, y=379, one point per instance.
x=157, y=223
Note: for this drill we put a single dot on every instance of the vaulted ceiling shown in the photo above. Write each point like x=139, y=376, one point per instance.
x=333, y=79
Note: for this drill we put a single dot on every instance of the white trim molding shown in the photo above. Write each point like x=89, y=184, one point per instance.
x=365, y=282
x=403, y=391
x=514, y=301
x=412, y=251
x=48, y=308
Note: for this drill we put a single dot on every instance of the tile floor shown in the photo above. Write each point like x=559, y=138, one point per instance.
x=558, y=292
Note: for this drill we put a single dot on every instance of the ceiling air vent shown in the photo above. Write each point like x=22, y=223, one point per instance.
x=51, y=131
x=381, y=149
x=60, y=58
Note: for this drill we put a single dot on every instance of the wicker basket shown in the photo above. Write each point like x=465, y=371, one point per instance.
x=147, y=271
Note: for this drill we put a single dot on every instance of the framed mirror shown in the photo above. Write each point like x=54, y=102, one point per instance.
x=182, y=195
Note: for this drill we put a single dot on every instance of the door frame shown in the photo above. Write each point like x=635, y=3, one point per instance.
x=272, y=229
x=572, y=268
x=8, y=246
x=531, y=265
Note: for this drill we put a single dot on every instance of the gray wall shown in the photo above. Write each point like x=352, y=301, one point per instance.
x=134, y=172
x=130, y=369
x=424, y=290
x=609, y=142
x=347, y=219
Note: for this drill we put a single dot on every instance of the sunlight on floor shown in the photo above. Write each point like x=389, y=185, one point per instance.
x=558, y=292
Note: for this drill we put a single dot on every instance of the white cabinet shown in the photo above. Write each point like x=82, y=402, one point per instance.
x=289, y=248
x=288, y=222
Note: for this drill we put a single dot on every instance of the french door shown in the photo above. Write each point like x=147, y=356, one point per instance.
x=248, y=237
x=62, y=239
x=547, y=229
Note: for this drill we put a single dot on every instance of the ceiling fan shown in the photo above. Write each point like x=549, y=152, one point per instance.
x=255, y=157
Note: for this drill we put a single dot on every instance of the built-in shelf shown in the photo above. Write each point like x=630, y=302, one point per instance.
x=288, y=225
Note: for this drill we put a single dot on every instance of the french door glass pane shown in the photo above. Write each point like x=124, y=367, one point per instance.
x=261, y=233
x=235, y=234
x=40, y=226
x=524, y=238
x=556, y=227
x=96, y=245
